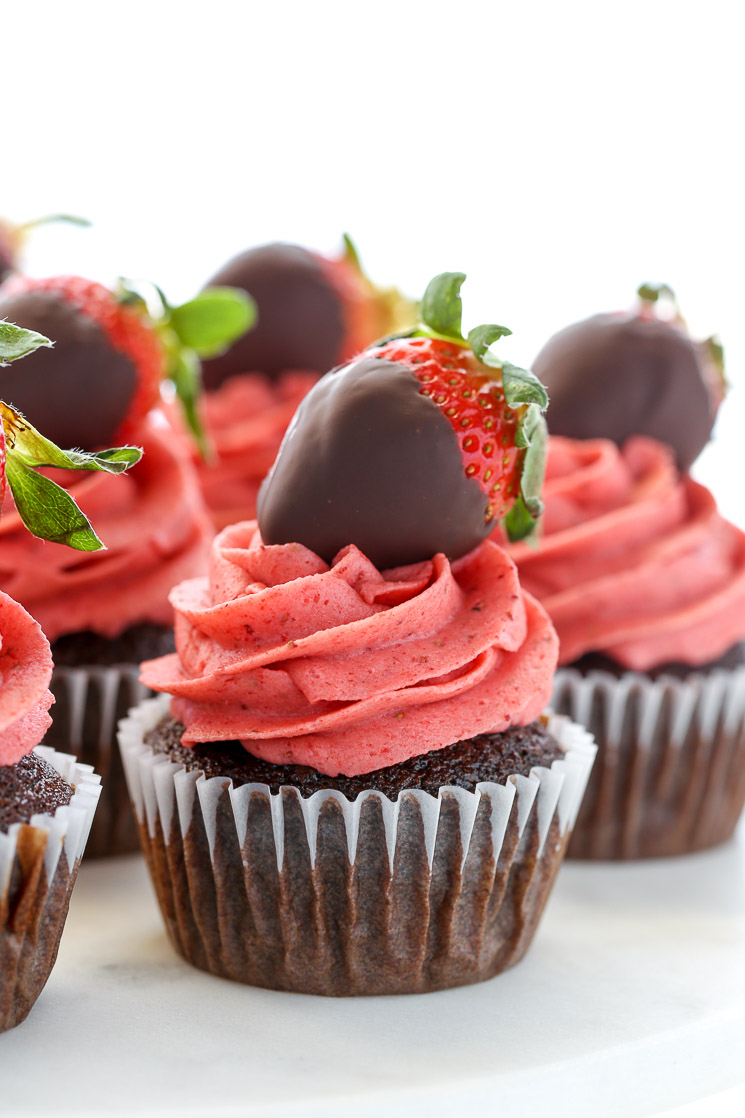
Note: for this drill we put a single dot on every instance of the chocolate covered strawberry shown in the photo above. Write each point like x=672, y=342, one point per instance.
x=313, y=311
x=110, y=354
x=420, y=445
x=634, y=373
x=47, y=510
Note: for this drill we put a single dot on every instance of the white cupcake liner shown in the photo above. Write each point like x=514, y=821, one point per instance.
x=90, y=701
x=670, y=773
x=39, y=862
x=257, y=886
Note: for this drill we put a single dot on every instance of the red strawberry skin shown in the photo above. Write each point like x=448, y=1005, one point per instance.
x=470, y=397
x=126, y=330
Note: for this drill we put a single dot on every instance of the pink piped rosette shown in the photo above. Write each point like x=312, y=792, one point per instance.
x=349, y=669
x=636, y=562
x=39, y=860
x=157, y=532
x=245, y=420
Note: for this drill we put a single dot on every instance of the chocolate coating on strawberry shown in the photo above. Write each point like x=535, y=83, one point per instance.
x=369, y=460
x=416, y=447
x=617, y=375
x=80, y=392
x=301, y=322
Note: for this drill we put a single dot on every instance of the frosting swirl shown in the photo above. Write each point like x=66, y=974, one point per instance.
x=245, y=419
x=25, y=672
x=635, y=561
x=156, y=532
x=348, y=669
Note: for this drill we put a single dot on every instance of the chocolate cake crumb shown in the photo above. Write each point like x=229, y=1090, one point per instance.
x=486, y=757
x=30, y=787
x=140, y=642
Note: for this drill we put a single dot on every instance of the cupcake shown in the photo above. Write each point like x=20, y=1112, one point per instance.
x=347, y=785
x=103, y=612
x=645, y=583
x=313, y=312
x=47, y=799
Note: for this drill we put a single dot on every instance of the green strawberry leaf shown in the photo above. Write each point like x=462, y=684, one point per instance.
x=213, y=320
x=521, y=520
x=55, y=219
x=15, y=342
x=27, y=445
x=481, y=337
x=48, y=510
x=442, y=307
x=518, y=522
x=652, y=292
x=186, y=375
x=351, y=255
x=520, y=385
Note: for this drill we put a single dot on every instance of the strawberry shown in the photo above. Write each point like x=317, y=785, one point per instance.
x=47, y=510
x=471, y=398
x=420, y=445
x=313, y=311
x=635, y=372
x=105, y=371
x=110, y=354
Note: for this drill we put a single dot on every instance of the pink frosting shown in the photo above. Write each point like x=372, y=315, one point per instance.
x=635, y=560
x=25, y=672
x=153, y=522
x=346, y=668
x=246, y=418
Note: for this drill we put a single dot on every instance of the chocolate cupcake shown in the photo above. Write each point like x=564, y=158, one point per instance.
x=102, y=611
x=47, y=801
x=313, y=312
x=645, y=583
x=348, y=786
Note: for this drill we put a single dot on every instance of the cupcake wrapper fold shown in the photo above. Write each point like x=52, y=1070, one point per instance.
x=670, y=774
x=327, y=896
x=39, y=862
x=89, y=702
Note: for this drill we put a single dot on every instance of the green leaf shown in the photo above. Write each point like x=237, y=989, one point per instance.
x=518, y=522
x=55, y=219
x=527, y=426
x=186, y=374
x=651, y=292
x=521, y=520
x=30, y=447
x=521, y=386
x=15, y=342
x=48, y=510
x=442, y=308
x=481, y=337
x=351, y=255
x=213, y=320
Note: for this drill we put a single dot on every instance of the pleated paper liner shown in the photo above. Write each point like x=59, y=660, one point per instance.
x=39, y=862
x=327, y=896
x=89, y=702
x=670, y=773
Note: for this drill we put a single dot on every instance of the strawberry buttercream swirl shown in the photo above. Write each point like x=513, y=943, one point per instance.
x=25, y=672
x=245, y=420
x=635, y=561
x=156, y=531
x=346, y=668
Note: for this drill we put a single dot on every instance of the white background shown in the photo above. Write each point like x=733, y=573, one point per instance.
x=559, y=153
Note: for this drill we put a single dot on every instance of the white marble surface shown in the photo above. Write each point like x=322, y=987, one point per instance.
x=630, y=1002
